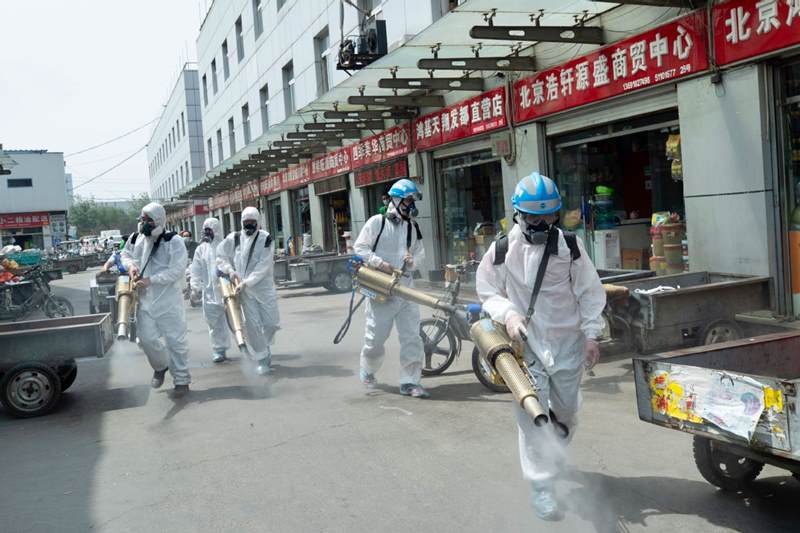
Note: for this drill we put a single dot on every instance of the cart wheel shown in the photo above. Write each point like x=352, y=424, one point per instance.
x=30, y=389
x=68, y=377
x=440, y=344
x=721, y=331
x=73, y=269
x=482, y=377
x=58, y=306
x=721, y=468
x=340, y=282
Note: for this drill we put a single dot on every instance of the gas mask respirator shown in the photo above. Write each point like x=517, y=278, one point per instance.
x=208, y=235
x=147, y=228
x=537, y=233
x=250, y=228
x=407, y=210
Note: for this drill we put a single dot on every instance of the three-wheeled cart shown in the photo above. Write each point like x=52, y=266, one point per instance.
x=738, y=399
x=37, y=359
x=692, y=309
x=326, y=269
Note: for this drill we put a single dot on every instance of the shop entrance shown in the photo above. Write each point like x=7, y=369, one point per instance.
x=470, y=191
x=622, y=187
x=336, y=210
x=301, y=208
x=275, y=218
x=789, y=117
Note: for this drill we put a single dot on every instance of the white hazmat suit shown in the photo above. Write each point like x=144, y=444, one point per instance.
x=392, y=249
x=160, y=312
x=204, y=278
x=568, y=311
x=258, y=298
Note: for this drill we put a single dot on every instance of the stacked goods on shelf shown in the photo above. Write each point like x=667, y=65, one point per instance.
x=673, y=233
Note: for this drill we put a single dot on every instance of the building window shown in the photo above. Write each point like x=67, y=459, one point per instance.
x=19, y=182
x=246, y=123
x=322, y=43
x=239, y=40
x=366, y=5
x=281, y=3
x=205, y=90
x=220, y=151
x=232, y=135
x=210, y=148
x=258, y=22
x=288, y=88
x=263, y=96
x=188, y=177
x=183, y=124
x=226, y=67
x=181, y=182
x=214, y=85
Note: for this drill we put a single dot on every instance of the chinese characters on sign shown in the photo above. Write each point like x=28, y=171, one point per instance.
x=330, y=164
x=270, y=184
x=674, y=50
x=386, y=145
x=25, y=220
x=474, y=116
x=219, y=201
x=295, y=176
x=748, y=28
x=388, y=171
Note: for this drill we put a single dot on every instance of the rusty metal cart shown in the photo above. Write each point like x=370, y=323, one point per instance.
x=738, y=399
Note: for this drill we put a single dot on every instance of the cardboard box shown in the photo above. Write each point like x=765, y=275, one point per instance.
x=634, y=259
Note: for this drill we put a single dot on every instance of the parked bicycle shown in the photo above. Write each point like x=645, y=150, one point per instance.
x=20, y=300
x=443, y=333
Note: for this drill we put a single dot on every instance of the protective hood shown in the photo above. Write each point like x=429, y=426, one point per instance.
x=156, y=211
x=250, y=213
x=215, y=226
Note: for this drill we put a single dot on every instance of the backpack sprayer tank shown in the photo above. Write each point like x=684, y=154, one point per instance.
x=233, y=310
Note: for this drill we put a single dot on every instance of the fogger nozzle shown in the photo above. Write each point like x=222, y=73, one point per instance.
x=388, y=285
x=495, y=346
x=233, y=311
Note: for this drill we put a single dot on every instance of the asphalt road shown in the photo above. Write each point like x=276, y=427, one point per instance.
x=308, y=450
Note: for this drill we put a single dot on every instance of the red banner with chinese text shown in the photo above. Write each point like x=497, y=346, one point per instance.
x=750, y=28
x=296, y=176
x=388, y=171
x=24, y=220
x=473, y=116
x=666, y=53
x=389, y=144
x=330, y=164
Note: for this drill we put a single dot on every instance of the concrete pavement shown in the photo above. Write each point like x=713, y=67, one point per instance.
x=309, y=450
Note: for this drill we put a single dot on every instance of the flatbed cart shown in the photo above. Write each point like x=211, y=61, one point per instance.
x=327, y=269
x=700, y=310
x=738, y=399
x=37, y=359
x=102, y=293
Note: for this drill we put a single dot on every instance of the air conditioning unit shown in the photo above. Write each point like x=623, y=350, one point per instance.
x=357, y=52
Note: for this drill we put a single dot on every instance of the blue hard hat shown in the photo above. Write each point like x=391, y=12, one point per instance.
x=537, y=195
x=405, y=188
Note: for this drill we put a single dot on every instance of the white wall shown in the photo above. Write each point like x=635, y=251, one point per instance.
x=726, y=184
x=49, y=190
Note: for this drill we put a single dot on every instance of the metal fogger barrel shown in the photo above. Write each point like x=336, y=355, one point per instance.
x=126, y=306
x=233, y=310
x=389, y=285
x=497, y=350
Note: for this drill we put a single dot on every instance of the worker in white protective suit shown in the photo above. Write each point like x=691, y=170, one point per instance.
x=158, y=259
x=247, y=256
x=203, y=279
x=563, y=329
x=388, y=242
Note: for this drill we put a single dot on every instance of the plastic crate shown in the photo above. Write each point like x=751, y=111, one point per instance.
x=25, y=259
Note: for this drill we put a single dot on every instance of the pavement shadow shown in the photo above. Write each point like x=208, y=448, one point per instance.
x=613, y=503
x=608, y=384
x=234, y=392
x=93, y=401
x=310, y=371
x=452, y=392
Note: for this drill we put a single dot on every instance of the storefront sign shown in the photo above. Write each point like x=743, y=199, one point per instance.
x=201, y=209
x=749, y=28
x=394, y=142
x=236, y=195
x=666, y=53
x=331, y=185
x=250, y=191
x=24, y=220
x=392, y=170
x=219, y=201
x=474, y=116
x=270, y=184
x=295, y=176
x=331, y=164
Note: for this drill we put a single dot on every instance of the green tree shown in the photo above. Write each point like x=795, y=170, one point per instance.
x=91, y=218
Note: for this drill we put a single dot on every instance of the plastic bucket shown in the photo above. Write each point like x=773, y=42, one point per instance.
x=673, y=254
x=656, y=263
x=672, y=233
x=658, y=244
